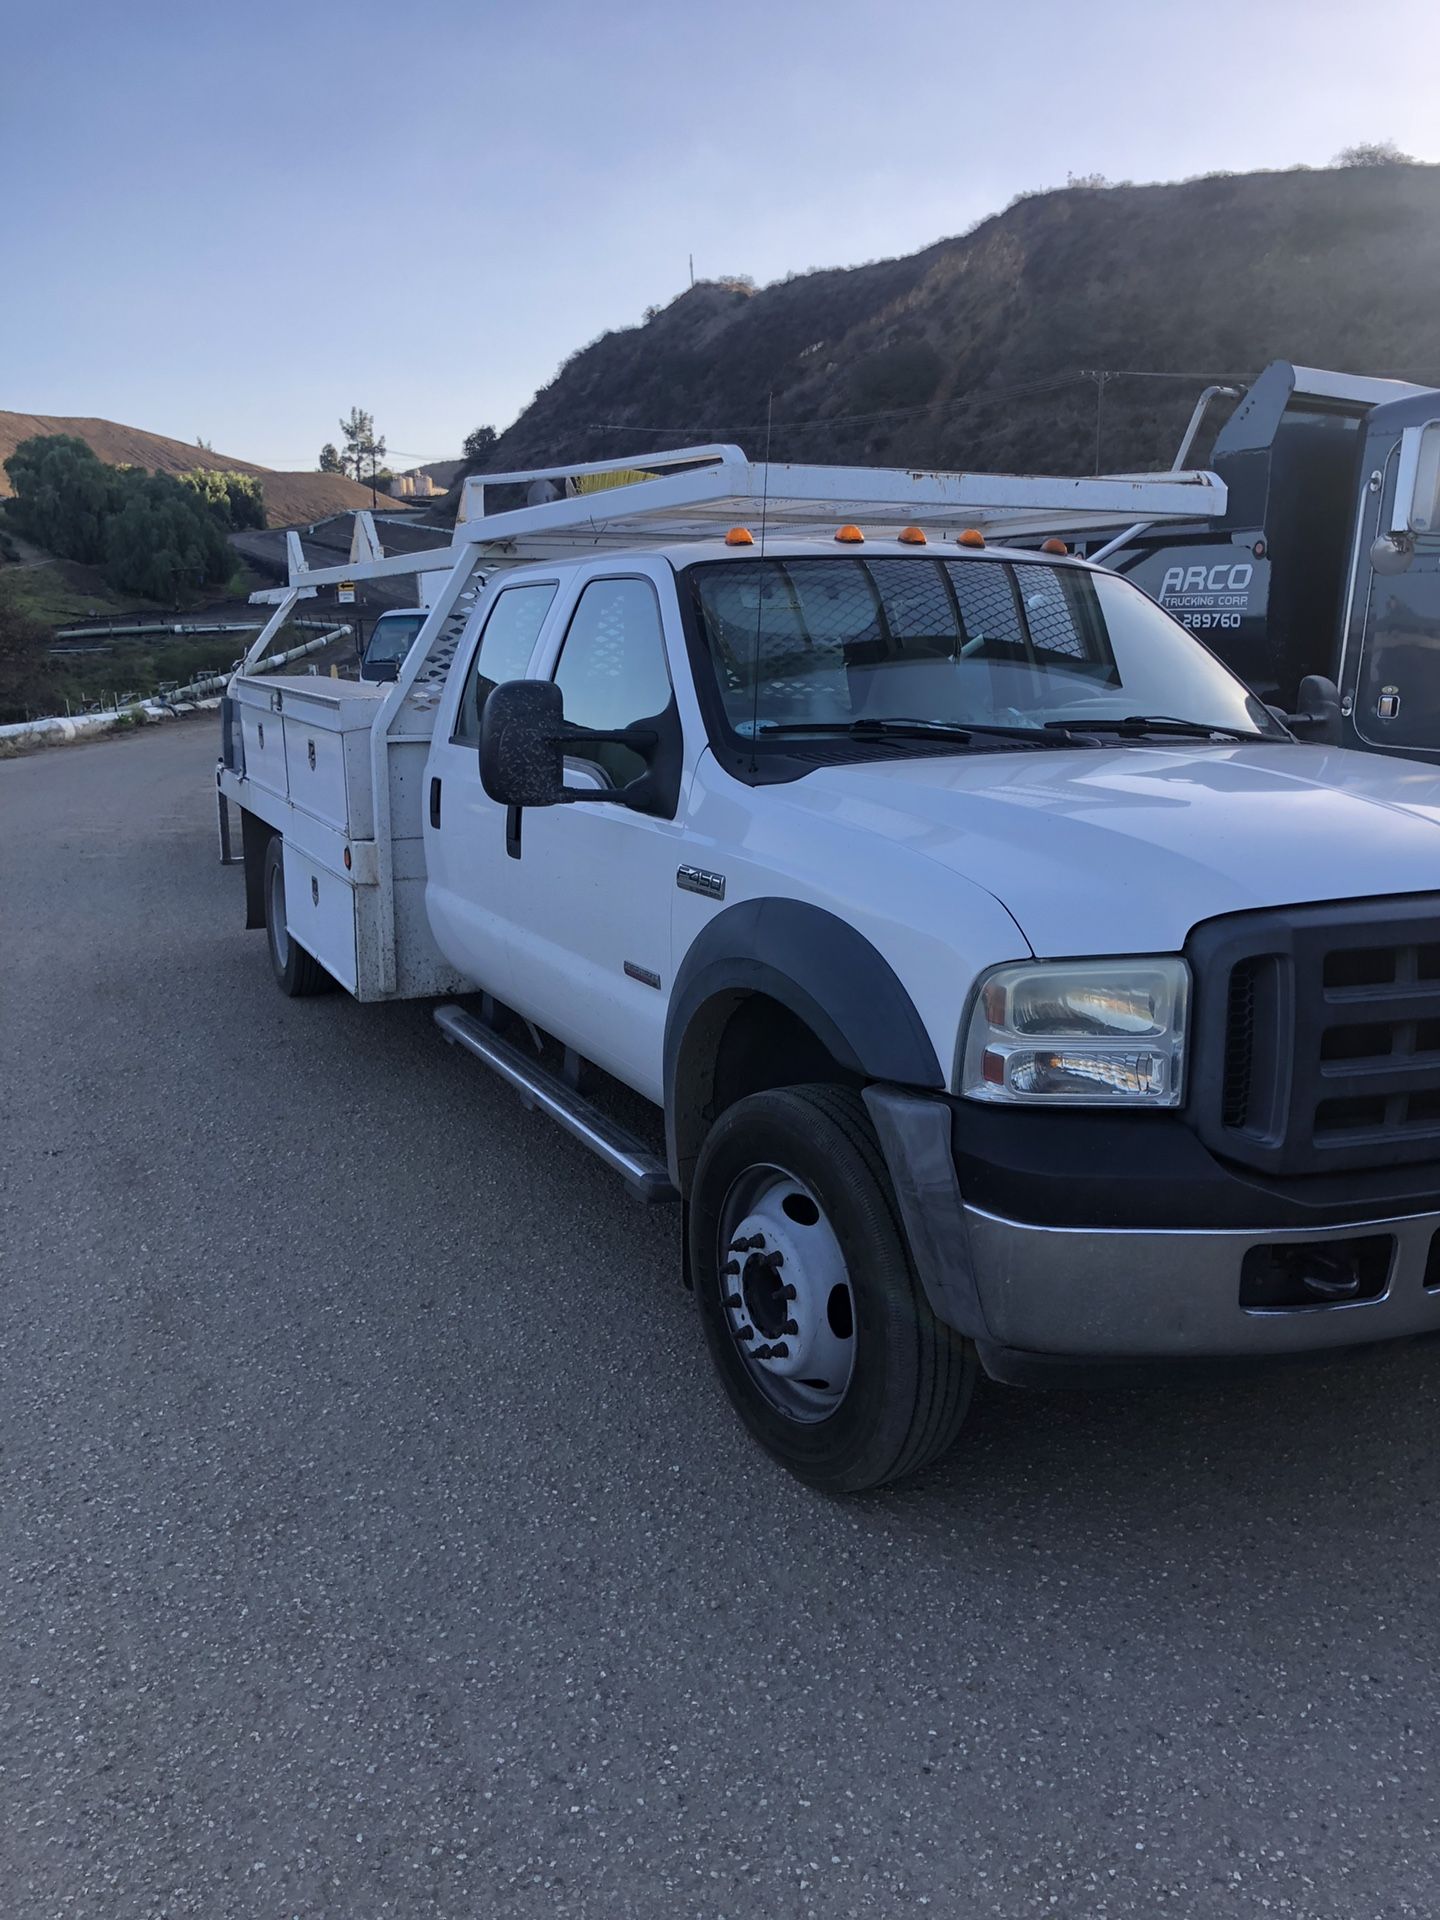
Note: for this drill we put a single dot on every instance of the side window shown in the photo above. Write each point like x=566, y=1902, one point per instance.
x=612, y=669
x=506, y=644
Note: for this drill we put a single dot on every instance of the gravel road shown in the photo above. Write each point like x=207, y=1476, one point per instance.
x=374, y=1541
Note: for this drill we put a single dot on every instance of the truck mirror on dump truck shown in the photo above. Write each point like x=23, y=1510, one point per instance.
x=1417, y=482
x=1319, y=715
x=523, y=742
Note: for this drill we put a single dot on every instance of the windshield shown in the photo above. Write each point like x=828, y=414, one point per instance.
x=390, y=642
x=990, y=642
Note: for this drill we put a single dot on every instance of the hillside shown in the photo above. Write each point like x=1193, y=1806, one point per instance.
x=973, y=352
x=290, y=498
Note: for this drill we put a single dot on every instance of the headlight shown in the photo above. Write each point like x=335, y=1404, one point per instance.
x=1094, y=1033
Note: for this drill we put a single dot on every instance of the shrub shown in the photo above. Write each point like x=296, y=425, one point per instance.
x=152, y=534
x=24, y=680
x=235, y=499
x=1374, y=153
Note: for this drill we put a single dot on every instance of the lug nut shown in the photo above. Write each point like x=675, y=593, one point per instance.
x=733, y=1300
x=777, y=1259
x=731, y=1266
x=778, y=1352
x=787, y=1293
x=744, y=1333
x=790, y=1326
x=762, y=1353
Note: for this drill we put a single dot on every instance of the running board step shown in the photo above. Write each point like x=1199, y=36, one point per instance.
x=642, y=1171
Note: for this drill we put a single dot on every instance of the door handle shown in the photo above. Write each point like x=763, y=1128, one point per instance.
x=434, y=801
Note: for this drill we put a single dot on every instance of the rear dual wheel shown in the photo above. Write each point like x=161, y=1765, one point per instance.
x=297, y=972
x=814, y=1315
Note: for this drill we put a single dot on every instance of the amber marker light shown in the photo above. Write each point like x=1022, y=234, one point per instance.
x=852, y=536
x=1054, y=546
x=913, y=536
x=972, y=537
x=739, y=537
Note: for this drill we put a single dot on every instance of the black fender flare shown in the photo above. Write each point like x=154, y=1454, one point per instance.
x=815, y=965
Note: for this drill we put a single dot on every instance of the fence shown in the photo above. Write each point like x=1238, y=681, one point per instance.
x=205, y=691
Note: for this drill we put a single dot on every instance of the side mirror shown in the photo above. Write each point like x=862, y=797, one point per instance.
x=522, y=759
x=523, y=742
x=1319, y=715
x=1417, y=482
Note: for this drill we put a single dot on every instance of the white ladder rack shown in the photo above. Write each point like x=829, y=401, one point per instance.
x=698, y=493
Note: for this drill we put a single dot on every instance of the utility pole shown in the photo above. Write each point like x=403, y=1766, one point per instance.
x=692, y=269
x=1100, y=377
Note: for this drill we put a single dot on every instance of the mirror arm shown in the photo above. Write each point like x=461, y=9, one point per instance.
x=637, y=792
x=640, y=738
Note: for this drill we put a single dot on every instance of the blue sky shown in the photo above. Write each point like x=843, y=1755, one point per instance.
x=237, y=221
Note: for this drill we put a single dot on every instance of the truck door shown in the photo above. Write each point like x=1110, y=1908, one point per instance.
x=590, y=893
x=465, y=863
x=1391, y=683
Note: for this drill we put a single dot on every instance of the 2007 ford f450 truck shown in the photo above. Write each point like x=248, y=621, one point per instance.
x=1019, y=991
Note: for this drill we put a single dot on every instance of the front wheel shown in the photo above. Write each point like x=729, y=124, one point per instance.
x=815, y=1318
x=296, y=972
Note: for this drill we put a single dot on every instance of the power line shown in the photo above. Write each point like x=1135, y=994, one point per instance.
x=973, y=399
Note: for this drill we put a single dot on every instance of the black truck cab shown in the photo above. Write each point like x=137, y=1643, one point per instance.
x=1327, y=560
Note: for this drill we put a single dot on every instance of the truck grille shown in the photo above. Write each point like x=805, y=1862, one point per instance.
x=1239, y=1044
x=1318, y=1035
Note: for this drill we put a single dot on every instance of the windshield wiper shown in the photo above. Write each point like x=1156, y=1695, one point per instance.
x=958, y=731
x=1137, y=724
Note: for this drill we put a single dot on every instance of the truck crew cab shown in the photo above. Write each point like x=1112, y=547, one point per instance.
x=1017, y=991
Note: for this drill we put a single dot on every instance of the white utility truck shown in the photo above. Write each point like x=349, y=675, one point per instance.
x=1017, y=989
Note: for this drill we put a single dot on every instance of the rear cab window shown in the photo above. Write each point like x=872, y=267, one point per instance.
x=503, y=650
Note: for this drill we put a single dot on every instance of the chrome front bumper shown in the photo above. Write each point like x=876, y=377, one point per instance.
x=1124, y=1293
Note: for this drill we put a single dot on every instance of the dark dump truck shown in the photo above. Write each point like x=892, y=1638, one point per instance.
x=1320, y=584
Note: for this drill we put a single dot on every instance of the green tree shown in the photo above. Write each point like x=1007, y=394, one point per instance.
x=478, y=444
x=163, y=541
x=152, y=534
x=235, y=499
x=363, y=451
x=63, y=496
x=330, y=461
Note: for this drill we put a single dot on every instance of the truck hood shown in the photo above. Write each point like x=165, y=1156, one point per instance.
x=1124, y=850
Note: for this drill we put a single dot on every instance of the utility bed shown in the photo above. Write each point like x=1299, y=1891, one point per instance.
x=307, y=741
x=305, y=756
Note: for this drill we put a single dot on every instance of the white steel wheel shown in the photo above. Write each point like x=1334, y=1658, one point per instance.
x=789, y=1308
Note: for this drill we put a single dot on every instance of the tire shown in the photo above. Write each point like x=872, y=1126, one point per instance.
x=802, y=1169
x=297, y=973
